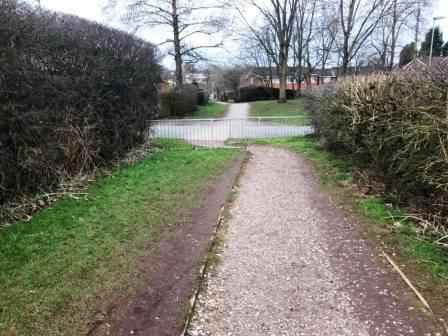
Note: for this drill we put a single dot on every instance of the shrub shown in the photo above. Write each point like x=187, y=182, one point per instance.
x=252, y=93
x=176, y=103
x=396, y=125
x=203, y=97
x=191, y=92
x=73, y=95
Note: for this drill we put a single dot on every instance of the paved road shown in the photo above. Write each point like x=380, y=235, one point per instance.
x=292, y=265
x=235, y=125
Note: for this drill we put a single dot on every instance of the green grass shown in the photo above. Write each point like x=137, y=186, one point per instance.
x=212, y=110
x=271, y=108
x=60, y=270
x=334, y=173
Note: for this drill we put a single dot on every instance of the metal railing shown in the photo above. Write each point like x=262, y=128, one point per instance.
x=218, y=132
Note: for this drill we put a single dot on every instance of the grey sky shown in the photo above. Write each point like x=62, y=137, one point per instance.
x=92, y=9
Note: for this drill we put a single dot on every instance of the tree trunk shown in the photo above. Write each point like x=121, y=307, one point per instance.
x=283, y=76
x=347, y=30
x=299, y=81
x=271, y=85
x=383, y=57
x=394, y=39
x=299, y=71
x=177, y=47
x=345, y=56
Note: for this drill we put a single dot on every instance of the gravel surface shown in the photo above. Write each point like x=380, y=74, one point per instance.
x=239, y=110
x=292, y=265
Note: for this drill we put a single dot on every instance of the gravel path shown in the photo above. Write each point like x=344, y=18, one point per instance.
x=238, y=111
x=292, y=265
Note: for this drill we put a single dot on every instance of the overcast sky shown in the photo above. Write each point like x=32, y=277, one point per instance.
x=93, y=10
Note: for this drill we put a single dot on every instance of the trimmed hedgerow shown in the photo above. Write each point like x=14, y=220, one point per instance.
x=73, y=95
x=396, y=125
x=255, y=93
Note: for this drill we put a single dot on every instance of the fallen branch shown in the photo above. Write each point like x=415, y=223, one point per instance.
x=439, y=240
x=408, y=282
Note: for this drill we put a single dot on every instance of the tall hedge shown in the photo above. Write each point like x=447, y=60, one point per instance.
x=73, y=95
x=396, y=124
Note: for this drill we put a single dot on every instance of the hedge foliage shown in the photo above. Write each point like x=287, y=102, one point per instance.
x=255, y=93
x=396, y=124
x=203, y=97
x=179, y=102
x=73, y=95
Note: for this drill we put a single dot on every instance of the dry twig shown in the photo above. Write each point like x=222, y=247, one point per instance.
x=408, y=282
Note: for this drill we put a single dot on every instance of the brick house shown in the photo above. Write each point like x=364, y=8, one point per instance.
x=262, y=76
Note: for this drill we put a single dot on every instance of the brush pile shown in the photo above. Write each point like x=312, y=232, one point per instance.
x=395, y=125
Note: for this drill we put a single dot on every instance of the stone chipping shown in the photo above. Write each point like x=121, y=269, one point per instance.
x=291, y=264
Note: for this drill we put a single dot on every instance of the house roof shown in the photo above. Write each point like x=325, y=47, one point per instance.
x=264, y=72
x=424, y=61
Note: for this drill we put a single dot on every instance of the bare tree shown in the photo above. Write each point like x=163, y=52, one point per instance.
x=328, y=30
x=279, y=17
x=381, y=42
x=262, y=60
x=231, y=79
x=359, y=19
x=184, y=18
x=401, y=11
x=303, y=32
x=391, y=27
x=311, y=33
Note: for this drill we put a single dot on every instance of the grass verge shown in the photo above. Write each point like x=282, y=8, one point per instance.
x=211, y=110
x=63, y=269
x=271, y=108
x=335, y=174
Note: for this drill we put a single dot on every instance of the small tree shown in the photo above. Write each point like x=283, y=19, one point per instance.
x=407, y=54
x=437, y=45
x=230, y=79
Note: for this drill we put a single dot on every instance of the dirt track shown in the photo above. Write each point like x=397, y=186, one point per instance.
x=293, y=265
x=169, y=272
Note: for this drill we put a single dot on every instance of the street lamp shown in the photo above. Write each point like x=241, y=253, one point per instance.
x=434, y=19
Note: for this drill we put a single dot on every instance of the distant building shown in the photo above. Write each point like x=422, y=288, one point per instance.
x=189, y=77
x=197, y=77
x=262, y=76
x=421, y=63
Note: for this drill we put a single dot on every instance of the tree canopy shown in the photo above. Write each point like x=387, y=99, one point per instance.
x=407, y=54
x=437, y=44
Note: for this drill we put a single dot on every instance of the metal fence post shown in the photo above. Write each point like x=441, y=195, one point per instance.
x=213, y=134
x=201, y=133
x=230, y=129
